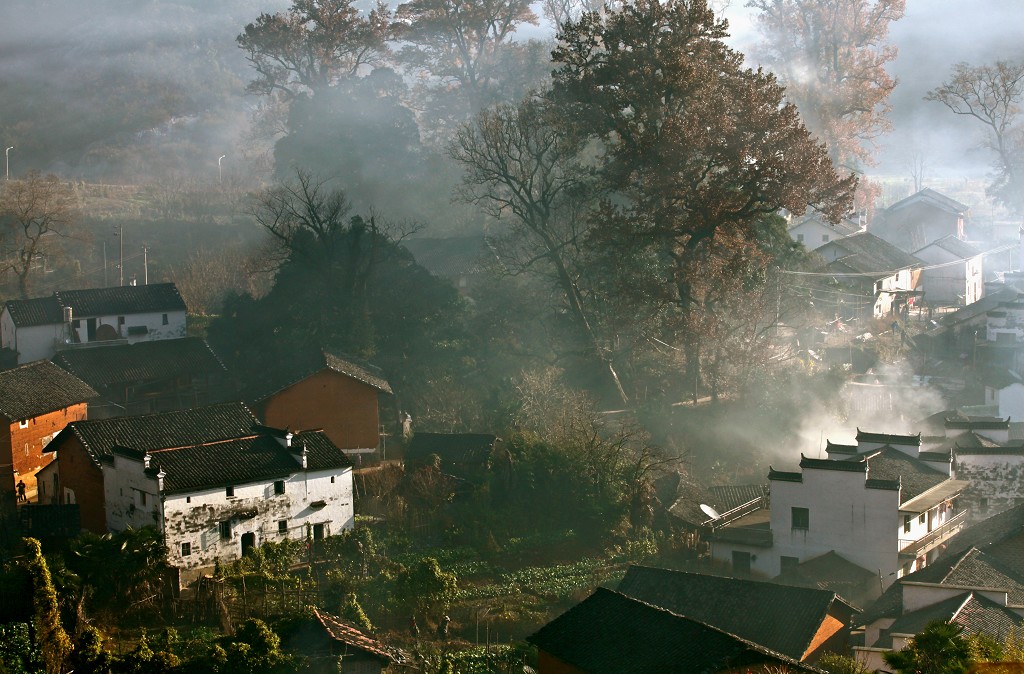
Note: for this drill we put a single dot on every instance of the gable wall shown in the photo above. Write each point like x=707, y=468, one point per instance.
x=81, y=481
x=833, y=636
x=25, y=445
x=344, y=408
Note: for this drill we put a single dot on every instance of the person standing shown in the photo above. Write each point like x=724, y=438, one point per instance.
x=21, y=491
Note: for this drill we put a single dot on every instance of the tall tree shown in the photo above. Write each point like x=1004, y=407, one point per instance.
x=314, y=44
x=520, y=163
x=464, y=46
x=831, y=56
x=696, y=149
x=993, y=94
x=36, y=214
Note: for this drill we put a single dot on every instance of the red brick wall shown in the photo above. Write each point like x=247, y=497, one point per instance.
x=79, y=474
x=345, y=408
x=25, y=445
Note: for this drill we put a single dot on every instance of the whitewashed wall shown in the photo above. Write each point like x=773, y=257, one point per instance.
x=860, y=524
x=131, y=498
x=195, y=518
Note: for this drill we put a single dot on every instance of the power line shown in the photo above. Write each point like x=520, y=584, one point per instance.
x=883, y=272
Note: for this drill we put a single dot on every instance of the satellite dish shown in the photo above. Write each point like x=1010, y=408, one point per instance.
x=709, y=511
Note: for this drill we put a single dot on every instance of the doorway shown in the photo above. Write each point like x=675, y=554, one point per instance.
x=248, y=543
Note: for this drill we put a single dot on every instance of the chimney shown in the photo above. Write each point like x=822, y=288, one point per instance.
x=305, y=459
x=146, y=460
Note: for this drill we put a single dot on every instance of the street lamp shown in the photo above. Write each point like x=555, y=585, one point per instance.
x=7, y=162
x=220, y=172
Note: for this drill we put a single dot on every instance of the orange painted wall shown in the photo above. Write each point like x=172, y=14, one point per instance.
x=24, y=446
x=344, y=408
x=79, y=474
x=832, y=636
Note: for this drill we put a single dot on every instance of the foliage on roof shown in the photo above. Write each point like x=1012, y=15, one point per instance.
x=40, y=387
x=118, y=300
x=144, y=361
x=610, y=633
x=781, y=617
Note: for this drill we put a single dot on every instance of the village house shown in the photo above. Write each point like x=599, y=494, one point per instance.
x=611, y=633
x=801, y=623
x=877, y=278
x=321, y=389
x=920, y=219
x=977, y=583
x=145, y=377
x=813, y=231
x=37, y=400
x=82, y=448
x=37, y=328
x=465, y=456
x=989, y=461
x=218, y=499
x=332, y=645
x=953, y=272
x=882, y=504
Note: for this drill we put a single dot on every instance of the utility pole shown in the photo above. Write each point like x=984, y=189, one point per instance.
x=120, y=265
x=7, y=162
x=145, y=266
x=105, y=284
x=220, y=172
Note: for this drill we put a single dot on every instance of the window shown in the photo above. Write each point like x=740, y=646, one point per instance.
x=282, y=526
x=142, y=498
x=188, y=499
x=801, y=518
x=920, y=520
x=740, y=561
x=23, y=423
x=789, y=563
x=229, y=491
x=163, y=319
x=279, y=487
x=225, y=529
x=120, y=321
x=800, y=238
x=824, y=238
x=186, y=549
x=906, y=524
x=332, y=479
x=983, y=505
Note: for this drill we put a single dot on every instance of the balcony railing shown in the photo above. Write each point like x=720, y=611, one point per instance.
x=736, y=513
x=935, y=536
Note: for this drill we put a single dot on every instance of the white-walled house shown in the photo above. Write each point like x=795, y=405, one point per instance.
x=955, y=277
x=217, y=500
x=813, y=231
x=882, y=504
x=37, y=328
x=878, y=278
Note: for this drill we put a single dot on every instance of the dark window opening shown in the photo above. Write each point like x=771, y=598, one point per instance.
x=186, y=549
x=229, y=491
x=279, y=487
x=740, y=561
x=906, y=524
x=225, y=529
x=801, y=518
x=164, y=319
x=282, y=526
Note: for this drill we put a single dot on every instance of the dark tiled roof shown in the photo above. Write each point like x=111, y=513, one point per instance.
x=350, y=635
x=836, y=448
x=39, y=387
x=609, y=633
x=931, y=196
x=830, y=572
x=977, y=423
x=302, y=363
x=462, y=448
x=852, y=465
x=954, y=246
x=781, y=617
x=243, y=460
x=888, y=438
x=145, y=361
x=150, y=432
x=971, y=440
x=869, y=253
x=916, y=476
x=992, y=531
x=120, y=300
x=722, y=498
x=977, y=615
x=784, y=475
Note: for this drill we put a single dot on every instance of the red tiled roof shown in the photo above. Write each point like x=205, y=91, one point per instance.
x=349, y=634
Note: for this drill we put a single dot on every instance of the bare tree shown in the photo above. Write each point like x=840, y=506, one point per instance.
x=831, y=56
x=992, y=94
x=36, y=214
